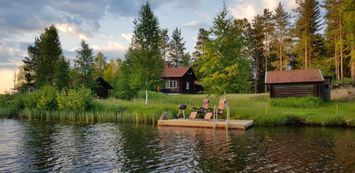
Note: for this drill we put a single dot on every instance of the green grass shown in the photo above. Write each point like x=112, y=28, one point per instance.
x=257, y=107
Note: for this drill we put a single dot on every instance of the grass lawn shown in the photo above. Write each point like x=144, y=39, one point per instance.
x=243, y=106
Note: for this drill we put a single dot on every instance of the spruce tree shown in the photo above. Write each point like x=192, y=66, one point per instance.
x=84, y=65
x=224, y=67
x=49, y=54
x=144, y=57
x=176, y=48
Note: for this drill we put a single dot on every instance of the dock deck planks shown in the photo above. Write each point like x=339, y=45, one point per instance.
x=232, y=124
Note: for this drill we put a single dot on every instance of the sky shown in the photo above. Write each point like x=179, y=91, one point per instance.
x=106, y=25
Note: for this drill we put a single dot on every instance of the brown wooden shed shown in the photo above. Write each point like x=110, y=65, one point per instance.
x=298, y=83
x=179, y=80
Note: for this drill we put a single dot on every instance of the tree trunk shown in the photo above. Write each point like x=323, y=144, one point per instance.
x=341, y=53
x=266, y=57
x=306, y=53
x=353, y=72
x=146, y=92
x=352, y=57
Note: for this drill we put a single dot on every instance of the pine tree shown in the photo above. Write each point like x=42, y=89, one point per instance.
x=348, y=8
x=307, y=24
x=176, y=48
x=268, y=26
x=281, y=36
x=30, y=62
x=257, y=52
x=99, y=65
x=84, y=65
x=202, y=37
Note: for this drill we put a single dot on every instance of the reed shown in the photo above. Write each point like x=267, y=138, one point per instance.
x=257, y=107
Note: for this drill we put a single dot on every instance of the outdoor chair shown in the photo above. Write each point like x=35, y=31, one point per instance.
x=204, y=107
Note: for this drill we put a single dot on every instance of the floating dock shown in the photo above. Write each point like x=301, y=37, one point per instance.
x=226, y=124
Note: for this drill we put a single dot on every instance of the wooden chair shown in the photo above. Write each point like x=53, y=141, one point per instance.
x=221, y=105
x=219, y=111
x=204, y=109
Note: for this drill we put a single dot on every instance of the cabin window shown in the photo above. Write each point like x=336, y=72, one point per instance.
x=187, y=85
x=171, y=84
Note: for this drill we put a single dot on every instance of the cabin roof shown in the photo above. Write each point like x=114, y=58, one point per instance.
x=103, y=83
x=293, y=76
x=174, y=71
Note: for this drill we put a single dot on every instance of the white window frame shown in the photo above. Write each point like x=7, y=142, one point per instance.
x=187, y=85
x=171, y=84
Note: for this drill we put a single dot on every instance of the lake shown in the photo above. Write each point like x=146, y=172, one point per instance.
x=60, y=147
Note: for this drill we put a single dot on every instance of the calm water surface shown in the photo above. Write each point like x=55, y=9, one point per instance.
x=32, y=146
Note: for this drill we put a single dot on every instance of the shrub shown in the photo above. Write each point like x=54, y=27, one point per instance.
x=30, y=100
x=46, y=98
x=75, y=99
x=10, y=105
x=294, y=102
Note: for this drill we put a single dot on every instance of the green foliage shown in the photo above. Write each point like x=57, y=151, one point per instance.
x=75, y=99
x=295, y=102
x=308, y=24
x=176, y=49
x=47, y=59
x=10, y=105
x=30, y=100
x=99, y=65
x=125, y=88
x=46, y=98
x=84, y=66
x=224, y=67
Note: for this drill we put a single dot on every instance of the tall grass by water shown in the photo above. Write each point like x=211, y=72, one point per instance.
x=257, y=107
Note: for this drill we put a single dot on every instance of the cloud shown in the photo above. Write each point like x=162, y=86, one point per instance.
x=11, y=54
x=195, y=25
x=127, y=36
x=249, y=9
x=111, y=50
x=73, y=30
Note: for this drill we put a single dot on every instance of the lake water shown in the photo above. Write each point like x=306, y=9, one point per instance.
x=57, y=147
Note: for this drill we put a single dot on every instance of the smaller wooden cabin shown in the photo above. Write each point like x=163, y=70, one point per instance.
x=298, y=83
x=179, y=80
x=102, y=87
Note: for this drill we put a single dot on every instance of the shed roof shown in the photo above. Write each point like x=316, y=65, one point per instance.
x=293, y=76
x=103, y=83
x=174, y=71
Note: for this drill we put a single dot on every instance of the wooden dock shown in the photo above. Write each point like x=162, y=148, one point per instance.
x=230, y=124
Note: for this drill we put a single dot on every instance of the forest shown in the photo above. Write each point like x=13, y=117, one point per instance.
x=231, y=56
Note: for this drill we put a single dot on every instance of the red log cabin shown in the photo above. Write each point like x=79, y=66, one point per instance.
x=180, y=80
x=298, y=83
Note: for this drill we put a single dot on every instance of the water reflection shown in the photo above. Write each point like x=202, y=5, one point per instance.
x=42, y=146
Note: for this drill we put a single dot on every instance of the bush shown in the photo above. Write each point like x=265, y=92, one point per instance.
x=10, y=105
x=75, y=99
x=295, y=102
x=46, y=98
x=30, y=100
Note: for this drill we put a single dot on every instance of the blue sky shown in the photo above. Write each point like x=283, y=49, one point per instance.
x=107, y=25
